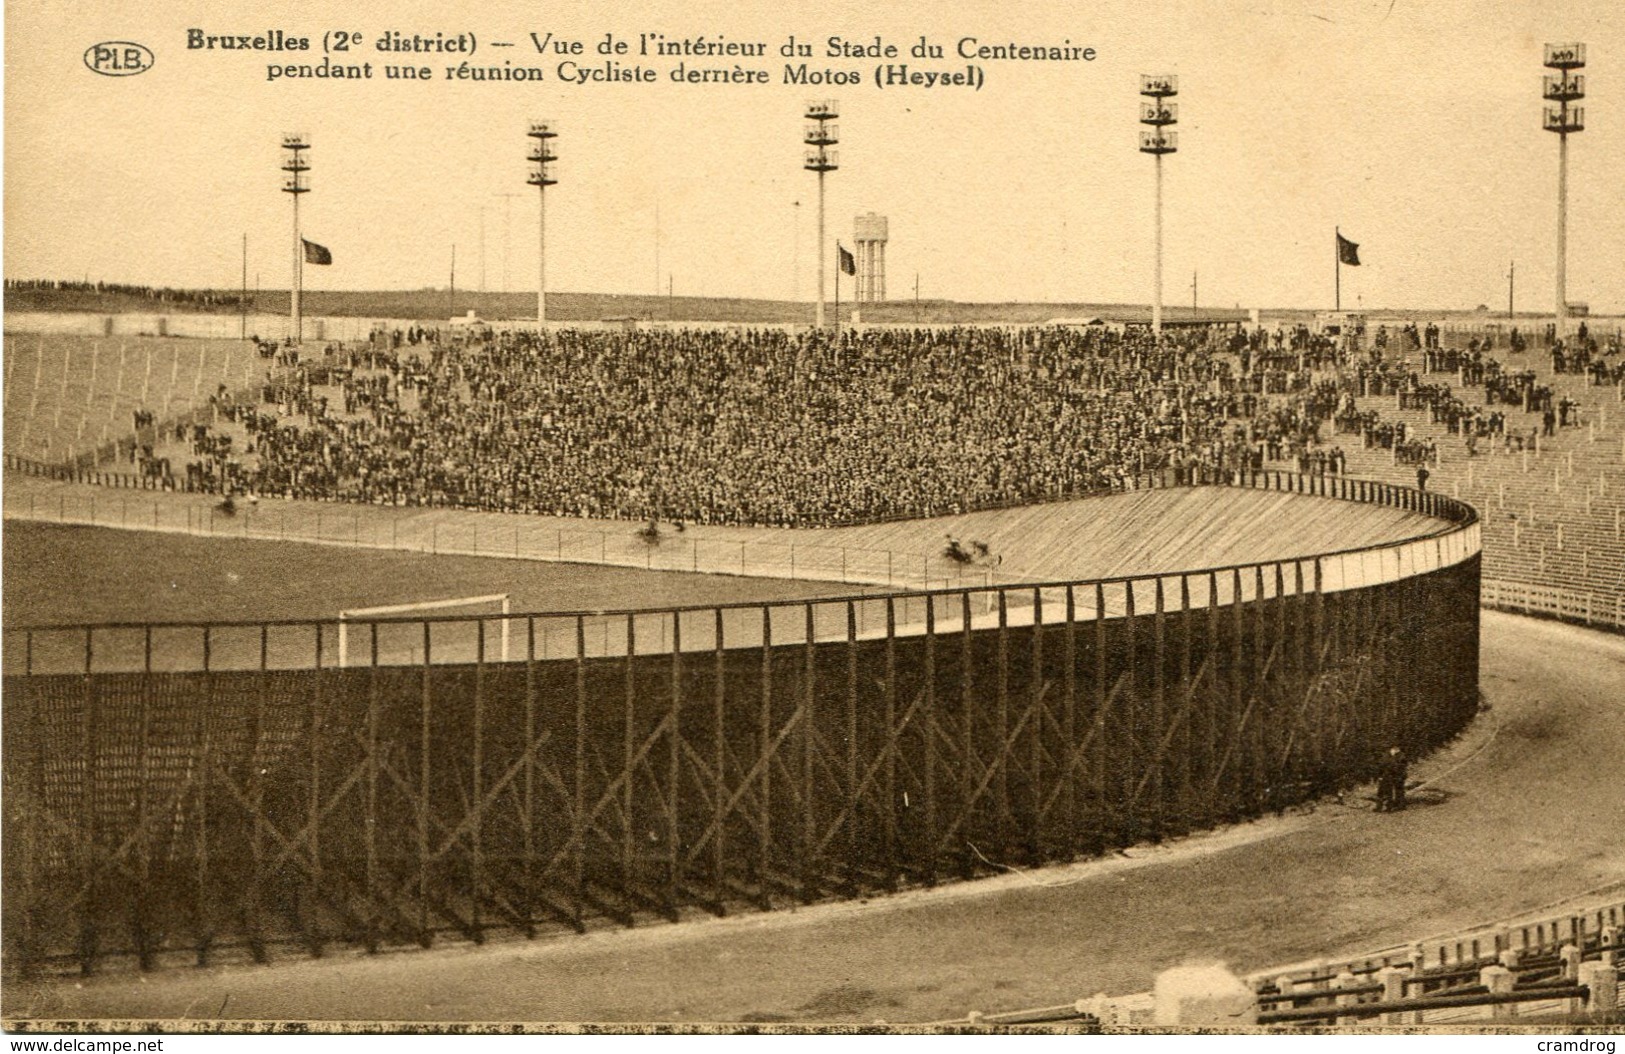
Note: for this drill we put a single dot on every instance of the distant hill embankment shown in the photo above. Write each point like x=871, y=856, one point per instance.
x=429, y=304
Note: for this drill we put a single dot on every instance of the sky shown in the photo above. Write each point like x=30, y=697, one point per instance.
x=1414, y=127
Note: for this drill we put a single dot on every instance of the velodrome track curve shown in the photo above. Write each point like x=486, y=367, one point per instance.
x=1530, y=816
x=1062, y=540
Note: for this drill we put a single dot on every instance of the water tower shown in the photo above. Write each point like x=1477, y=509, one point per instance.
x=869, y=232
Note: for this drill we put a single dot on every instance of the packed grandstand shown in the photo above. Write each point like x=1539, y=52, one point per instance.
x=785, y=427
x=779, y=428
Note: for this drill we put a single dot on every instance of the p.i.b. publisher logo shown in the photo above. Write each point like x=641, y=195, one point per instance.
x=118, y=58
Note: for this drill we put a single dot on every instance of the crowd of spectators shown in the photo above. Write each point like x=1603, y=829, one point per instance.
x=758, y=426
x=776, y=427
x=198, y=298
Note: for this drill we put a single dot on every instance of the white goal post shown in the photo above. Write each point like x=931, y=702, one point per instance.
x=420, y=605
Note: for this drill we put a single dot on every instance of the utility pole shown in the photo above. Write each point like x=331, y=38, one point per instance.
x=507, y=233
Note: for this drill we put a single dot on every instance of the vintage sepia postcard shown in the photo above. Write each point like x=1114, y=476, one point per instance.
x=858, y=517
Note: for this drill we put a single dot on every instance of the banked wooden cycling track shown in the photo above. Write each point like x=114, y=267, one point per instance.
x=1523, y=811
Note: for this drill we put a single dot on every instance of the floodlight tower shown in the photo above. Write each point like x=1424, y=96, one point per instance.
x=821, y=134
x=542, y=155
x=1160, y=139
x=295, y=164
x=1563, y=88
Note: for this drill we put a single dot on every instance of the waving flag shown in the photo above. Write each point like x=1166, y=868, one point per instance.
x=316, y=254
x=1347, y=252
x=848, y=264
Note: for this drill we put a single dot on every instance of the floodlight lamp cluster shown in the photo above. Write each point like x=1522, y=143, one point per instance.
x=1565, y=87
x=1159, y=114
x=295, y=162
x=541, y=153
x=820, y=134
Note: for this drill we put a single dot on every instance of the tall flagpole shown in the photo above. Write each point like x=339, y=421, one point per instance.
x=837, y=275
x=1337, y=267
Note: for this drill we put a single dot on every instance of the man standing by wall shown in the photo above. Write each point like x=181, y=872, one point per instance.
x=1391, y=782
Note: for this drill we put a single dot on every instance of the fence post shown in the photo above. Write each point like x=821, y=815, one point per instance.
x=88, y=848
x=1602, y=987
x=1340, y=982
x=1283, y=988
x=1499, y=980
x=1195, y=996
x=1393, y=990
x=1571, y=957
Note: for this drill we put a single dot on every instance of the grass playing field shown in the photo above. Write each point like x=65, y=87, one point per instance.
x=71, y=576
x=63, y=574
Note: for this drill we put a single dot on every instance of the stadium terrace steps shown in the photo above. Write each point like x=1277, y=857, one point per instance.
x=66, y=397
x=1553, y=517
